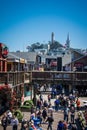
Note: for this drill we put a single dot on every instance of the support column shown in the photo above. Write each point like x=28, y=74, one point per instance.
x=5, y=67
x=1, y=66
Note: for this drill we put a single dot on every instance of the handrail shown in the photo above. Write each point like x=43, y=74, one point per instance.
x=19, y=77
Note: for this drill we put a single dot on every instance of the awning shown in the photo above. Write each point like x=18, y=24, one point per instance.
x=13, y=60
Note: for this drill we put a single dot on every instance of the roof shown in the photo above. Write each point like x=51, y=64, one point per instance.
x=12, y=56
x=78, y=59
x=29, y=56
x=48, y=56
x=77, y=51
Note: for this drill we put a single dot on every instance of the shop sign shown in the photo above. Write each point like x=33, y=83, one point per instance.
x=78, y=64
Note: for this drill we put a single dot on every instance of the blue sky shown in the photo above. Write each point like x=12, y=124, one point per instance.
x=23, y=22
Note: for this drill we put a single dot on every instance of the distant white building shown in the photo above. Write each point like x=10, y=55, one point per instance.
x=41, y=51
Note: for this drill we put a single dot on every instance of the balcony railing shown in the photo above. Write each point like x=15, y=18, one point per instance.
x=16, y=78
x=13, y=78
x=59, y=75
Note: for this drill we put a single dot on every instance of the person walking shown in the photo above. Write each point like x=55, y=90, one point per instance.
x=78, y=103
x=4, y=122
x=50, y=121
x=44, y=114
x=56, y=103
x=72, y=114
x=14, y=123
x=24, y=124
x=9, y=116
x=66, y=113
x=49, y=98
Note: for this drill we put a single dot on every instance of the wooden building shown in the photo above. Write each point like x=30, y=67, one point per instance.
x=3, y=57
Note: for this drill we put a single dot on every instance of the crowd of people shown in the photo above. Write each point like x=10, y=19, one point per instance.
x=43, y=113
x=9, y=119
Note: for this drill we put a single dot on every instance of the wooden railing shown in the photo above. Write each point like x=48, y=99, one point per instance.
x=63, y=76
x=13, y=78
x=16, y=78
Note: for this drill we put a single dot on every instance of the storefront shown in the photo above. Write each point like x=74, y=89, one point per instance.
x=27, y=90
x=13, y=65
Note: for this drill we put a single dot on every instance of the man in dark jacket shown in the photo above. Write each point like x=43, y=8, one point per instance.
x=4, y=122
x=44, y=113
x=50, y=121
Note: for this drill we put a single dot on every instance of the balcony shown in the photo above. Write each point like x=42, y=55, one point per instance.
x=63, y=76
x=13, y=78
x=17, y=78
